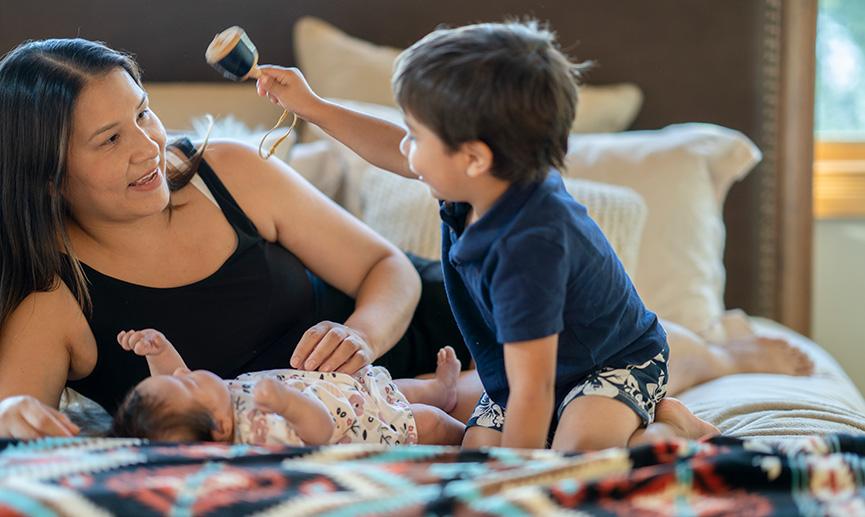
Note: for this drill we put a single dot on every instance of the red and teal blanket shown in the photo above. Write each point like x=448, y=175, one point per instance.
x=94, y=476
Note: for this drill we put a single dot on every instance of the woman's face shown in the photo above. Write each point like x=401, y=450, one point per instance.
x=116, y=159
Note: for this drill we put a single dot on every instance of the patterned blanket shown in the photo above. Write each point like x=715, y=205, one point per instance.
x=95, y=476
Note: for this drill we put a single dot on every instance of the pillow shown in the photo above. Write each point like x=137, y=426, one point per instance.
x=178, y=104
x=683, y=172
x=319, y=162
x=341, y=66
x=405, y=213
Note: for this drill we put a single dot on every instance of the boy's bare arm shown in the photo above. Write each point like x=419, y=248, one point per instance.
x=162, y=357
x=376, y=141
x=531, y=370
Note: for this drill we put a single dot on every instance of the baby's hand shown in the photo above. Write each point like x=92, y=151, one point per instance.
x=267, y=395
x=143, y=342
x=288, y=88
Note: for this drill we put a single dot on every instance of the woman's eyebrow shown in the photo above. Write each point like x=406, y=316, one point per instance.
x=111, y=125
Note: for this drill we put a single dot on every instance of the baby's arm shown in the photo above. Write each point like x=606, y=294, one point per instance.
x=308, y=416
x=531, y=370
x=162, y=357
x=375, y=140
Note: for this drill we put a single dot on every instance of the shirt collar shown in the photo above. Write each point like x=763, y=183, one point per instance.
x=474, y=242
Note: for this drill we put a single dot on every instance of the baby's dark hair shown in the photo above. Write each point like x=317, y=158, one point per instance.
x=505, y=84
x=145, y=416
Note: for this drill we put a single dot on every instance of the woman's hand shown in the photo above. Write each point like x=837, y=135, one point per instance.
x=24, y=417
x=331, y=347
x=288, y=88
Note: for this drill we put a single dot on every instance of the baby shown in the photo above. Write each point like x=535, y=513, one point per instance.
x=285, y=407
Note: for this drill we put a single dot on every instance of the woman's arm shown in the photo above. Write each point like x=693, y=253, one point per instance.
x=35, y=359
x=335, y=246
x=375, y=140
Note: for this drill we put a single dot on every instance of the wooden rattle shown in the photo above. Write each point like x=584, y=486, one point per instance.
x=234, y=55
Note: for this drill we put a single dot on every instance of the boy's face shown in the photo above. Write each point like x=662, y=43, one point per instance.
x=443, y=170
x=186, y=389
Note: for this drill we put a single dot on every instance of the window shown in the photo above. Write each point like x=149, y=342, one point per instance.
x=839, y=118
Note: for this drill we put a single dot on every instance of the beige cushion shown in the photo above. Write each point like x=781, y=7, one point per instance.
x=405, y=213
x=683, y=172
x=179, y=104
x=341, y=66
x=320, y=162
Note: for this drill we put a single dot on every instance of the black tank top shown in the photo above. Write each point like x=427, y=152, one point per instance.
x=248, y=315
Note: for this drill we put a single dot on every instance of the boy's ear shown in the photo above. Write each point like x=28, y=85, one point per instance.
x=480, y=158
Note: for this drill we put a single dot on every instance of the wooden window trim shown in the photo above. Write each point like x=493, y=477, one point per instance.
x=839, y=180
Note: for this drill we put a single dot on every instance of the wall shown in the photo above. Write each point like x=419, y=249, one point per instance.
x=839, y=293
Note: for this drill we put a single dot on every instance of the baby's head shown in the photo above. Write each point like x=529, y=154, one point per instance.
x=504, y=84
x=185, y=406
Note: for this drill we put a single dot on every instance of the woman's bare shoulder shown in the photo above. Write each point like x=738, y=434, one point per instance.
x=259, y=186
x=45, y=340
x=47, y=319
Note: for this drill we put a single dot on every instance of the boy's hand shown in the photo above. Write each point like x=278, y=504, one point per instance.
x=288, y=88
x=143, y=342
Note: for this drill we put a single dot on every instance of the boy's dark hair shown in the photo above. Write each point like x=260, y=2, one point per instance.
x=505, y=84
x=145, y=416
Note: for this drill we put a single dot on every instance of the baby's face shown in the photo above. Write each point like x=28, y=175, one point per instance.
x=185, y=388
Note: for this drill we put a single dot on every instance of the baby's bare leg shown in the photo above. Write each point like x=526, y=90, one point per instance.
x=439, y=391
x=435, y=427
x=309, y=417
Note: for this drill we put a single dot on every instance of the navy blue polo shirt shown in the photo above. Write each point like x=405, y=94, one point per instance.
x=535, y=265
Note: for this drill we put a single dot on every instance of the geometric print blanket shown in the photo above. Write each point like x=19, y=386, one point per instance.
x=721, y=476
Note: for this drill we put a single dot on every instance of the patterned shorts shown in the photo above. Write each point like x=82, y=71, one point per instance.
x=639, y=386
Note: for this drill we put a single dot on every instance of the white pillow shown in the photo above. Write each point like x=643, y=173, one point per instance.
x=341, y=66
x=683, y=172
x=320, y=162
x=405, y=213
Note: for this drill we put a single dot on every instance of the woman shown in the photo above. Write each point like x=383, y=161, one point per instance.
x=98, y=236
x=96, y=239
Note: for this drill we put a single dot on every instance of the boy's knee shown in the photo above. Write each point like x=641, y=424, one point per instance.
x=569, y=440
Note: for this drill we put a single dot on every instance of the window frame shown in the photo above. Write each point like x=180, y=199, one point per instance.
x=839, y=179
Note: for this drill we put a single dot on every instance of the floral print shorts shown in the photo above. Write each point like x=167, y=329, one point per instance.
x=639, y=386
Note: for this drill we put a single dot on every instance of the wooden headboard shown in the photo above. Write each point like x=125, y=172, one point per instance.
x=744, y=64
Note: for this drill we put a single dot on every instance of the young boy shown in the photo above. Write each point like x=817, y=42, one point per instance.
x=285, y=407
x=564, y=346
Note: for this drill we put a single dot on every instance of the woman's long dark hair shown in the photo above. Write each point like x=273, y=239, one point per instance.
x=40, y=82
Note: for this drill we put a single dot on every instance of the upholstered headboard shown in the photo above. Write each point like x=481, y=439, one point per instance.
x=744, y=64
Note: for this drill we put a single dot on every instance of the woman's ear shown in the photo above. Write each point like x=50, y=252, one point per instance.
x=480, y=158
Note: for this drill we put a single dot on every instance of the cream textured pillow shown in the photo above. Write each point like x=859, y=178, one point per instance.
x=683, y=173
x=404, y=212
x=341, y=66
x=321, y=162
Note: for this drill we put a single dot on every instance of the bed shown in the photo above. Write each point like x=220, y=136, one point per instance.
x=699, y=86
